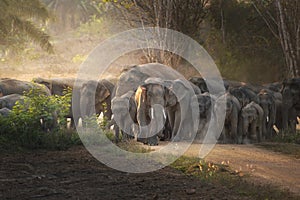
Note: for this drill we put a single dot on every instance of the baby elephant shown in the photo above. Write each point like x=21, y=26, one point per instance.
x=9, y=101
x=251, y=122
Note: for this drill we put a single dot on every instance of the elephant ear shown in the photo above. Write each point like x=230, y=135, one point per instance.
x=180, y=89
x=102, y=92
x=169, y=96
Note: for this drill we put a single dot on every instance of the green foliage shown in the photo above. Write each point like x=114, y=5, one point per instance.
x=241, y=43
x=18, y=24
x=286, y=136
x=39, y=121
x=95, y=26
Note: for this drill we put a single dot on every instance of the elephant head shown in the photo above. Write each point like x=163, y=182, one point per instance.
x=151, y=115
x=93, y=94
x=205, y=104
x=268, y=104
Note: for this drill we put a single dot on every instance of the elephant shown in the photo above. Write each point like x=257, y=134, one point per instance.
x=275, y=87
x=176, y=97
x=251, y=122
x=4, y=112
x=12, y=86
x=206, y=103
x=147, y=96
x=232, y=84
x=231, y=126
x=195, y=88
x=181, y=106
x=290, y=103
x=126, y=108
x=102, y=90
x=133, y=79
x=9, y=101
x=244, y=94
x=268, y=103
x=201, y=83
x=57, y=86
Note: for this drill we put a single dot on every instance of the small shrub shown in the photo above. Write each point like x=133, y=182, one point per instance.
x=39, y=121
x=286, y=136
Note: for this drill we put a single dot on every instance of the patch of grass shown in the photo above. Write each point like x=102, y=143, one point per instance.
x=221, y=175
x=133, y=146
x=285, y=148
x=286, y=136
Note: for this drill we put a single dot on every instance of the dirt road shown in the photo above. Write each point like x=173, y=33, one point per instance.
x=263, y=165
x=75, y=174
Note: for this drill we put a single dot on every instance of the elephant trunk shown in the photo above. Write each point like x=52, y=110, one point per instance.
x=158, y=118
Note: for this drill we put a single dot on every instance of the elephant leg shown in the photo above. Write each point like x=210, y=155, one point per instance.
x=171, y=121
x=117, y=133
x=253, y=130
x=223, y=137
x=107, y=113
x=177, y=121
x=234, y=129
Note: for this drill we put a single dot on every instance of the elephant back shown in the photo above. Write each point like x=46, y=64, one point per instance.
x=12, y=86
x=136, y=76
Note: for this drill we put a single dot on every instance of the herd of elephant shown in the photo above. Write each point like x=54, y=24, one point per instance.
x=153, y=102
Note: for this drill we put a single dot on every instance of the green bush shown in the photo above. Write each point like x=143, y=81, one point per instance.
x=39, y=121
x=287, y=136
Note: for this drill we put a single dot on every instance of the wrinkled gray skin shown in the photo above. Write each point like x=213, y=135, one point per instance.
x=202, y=85
x=290, y=103
x=195, y=88
x=206, y=104
x=268, y=103
x=180, y=108
x=102, y=90
x=126, y=108
x=231, y=131
x=135, y=76
x=4, y=112
x=9, y=101
x=57, y=86
x=12, y=86
x=244, y=94
x=228, y=84
x=147, y=96
x=275, y=87
x=251, y=122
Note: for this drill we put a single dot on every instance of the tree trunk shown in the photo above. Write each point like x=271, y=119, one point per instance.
x=290, y=48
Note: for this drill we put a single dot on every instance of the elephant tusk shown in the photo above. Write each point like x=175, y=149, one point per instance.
x=164, y=113
x=152, y=113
